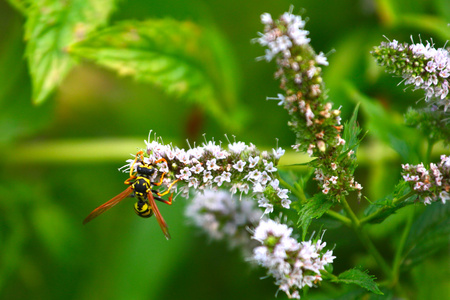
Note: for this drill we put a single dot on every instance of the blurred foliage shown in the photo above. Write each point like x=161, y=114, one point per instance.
x=59, y=159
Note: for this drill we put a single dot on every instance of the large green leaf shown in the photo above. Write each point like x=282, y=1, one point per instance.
x=182, y=58
x=429, y=234
x=51, y=26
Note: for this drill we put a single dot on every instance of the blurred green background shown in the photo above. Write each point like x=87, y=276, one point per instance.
x=59, y=160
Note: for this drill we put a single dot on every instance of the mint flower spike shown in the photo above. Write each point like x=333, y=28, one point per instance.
x=316, y=124
x=240, y=168
x=222, y=217
x=294, y=265
x=432, y=183
x=421, y=66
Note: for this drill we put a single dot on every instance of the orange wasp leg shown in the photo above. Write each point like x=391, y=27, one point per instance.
x=162, y=176
x=133, y=176
x=168, y=190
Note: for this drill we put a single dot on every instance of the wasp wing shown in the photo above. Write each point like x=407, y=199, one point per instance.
x=104, y=207
x=158, y=216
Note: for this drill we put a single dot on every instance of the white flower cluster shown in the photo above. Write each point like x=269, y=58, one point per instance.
x=242, y=168
x=423, y=66
x=433, y=183
x=223, y=216
x=333, y=182
x=279, y=41
x=292, y=264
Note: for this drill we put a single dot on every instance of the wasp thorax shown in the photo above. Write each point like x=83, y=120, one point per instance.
x=141, y=186
x=146, y=170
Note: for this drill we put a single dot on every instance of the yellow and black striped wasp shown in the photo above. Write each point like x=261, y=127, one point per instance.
x=140, y=185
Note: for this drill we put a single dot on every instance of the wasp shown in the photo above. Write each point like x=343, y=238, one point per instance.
x=140, y=186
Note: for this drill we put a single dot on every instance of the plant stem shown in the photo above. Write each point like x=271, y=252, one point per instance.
x=339, y=217
x=349, y=211
x=398, y=254
x=365, y=239
x=430, y=145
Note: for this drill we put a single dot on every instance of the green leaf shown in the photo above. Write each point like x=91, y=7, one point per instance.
x=313, y=209
x=50, y=28
x=387, y=126
x=386, y=206
x=359, y=277
x=429, y=234
x=184, y=59
x=351, y=132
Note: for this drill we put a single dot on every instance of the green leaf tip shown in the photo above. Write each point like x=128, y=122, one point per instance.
x=180, y=57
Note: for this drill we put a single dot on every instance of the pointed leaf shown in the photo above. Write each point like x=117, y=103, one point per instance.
x=386, y=206
x=51, y=26
x=313, y=209
x=184, y=59
x=387, y=126
x=359, y=277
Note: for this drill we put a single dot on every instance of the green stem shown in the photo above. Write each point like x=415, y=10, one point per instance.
x=339, y=217
x=430, y=145
x=398, y=254
x=349, y=211
x=365, y=239
x=374, y=215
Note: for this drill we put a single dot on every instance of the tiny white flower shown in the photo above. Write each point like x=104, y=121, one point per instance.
x=270, y=168
x=264, y=178
x=253, y=161
x=286, y=203
x=321, y=59
x=278, y=152
x=282, y=193
x=218, y=180
x=266, y=19
x=185, y=173
x=226, y=176
x=193, y=182
x=211, y=165
x=198, y=168
x=207, y=176
x=239, y=165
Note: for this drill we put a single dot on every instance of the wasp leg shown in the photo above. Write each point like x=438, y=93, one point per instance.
x=162, y=176
x=129, y=179
x=140, y=154
x=168, y=188
x=169, y=202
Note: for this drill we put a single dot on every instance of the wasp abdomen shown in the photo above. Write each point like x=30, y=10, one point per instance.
x=143, y=209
